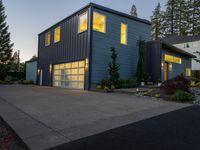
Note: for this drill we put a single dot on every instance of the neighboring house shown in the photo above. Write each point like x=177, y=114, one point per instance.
x=191, y=44
x=164, y=61
x=75, y=52
x=31, y=70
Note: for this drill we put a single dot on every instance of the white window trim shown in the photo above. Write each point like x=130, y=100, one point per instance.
x=126, y=33
x=105, y=22
x=86, y=12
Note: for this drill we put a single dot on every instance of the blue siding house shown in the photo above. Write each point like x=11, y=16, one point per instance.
x=75, y=52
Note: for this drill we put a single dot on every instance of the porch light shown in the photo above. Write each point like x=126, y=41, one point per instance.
x=170, y=67
x=86, y=63
x=38, y=71
x=50, y=68
x=162, y=65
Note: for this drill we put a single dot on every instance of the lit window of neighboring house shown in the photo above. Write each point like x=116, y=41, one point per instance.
x=188, y=72
x=124, y=32
x=83, y=22
x=99, y=22
x=57, y=32
x=47, y=39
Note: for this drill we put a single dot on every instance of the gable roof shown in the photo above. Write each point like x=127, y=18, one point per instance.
x=177, y=39
x=103, y=9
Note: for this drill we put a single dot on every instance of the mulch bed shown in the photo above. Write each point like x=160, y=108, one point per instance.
x=8, y=139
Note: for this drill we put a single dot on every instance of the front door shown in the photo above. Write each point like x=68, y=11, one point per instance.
x=166, y=66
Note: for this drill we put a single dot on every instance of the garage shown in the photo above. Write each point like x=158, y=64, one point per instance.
x=69, y=75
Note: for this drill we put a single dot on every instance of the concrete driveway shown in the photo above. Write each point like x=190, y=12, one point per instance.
x=45, y=117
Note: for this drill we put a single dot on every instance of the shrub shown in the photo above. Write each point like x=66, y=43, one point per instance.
x=177, y=83
x=104, y=83
x=27, y=82
x=196, y=85
x=194, y=79
x=1, y=82
x=182, y=96
x=127, y=83
x=8, y=80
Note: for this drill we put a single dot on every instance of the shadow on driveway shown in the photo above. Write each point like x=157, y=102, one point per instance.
x=178, y=130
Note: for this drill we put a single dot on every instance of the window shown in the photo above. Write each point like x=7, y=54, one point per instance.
x=99, y=22
x=124, y=33
x=83, y=22
x=188, y=72
x=47, y=39
x=57, y=35
x=173, y=59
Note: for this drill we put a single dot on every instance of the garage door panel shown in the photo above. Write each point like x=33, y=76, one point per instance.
x=69, y=75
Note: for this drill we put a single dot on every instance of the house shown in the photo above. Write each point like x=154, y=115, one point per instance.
x=31, y=70
x=75, y=52
x=164, y=61
x=190, y=44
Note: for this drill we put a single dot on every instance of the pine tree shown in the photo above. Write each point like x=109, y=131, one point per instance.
x=156, y=21
x=5, y=43
x=194, y=17
x=134, y=11
x=140, y=73
x=114, y=69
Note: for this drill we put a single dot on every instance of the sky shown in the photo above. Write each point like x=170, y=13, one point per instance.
x=28, y=18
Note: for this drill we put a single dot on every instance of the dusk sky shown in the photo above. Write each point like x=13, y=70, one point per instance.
x=27, y=18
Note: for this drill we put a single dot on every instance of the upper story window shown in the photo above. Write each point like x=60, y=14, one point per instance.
x=47, y=39
x=57, y=32
x=173, y=59
x=188, y=72
x=124, y=31
x=99, y=22
x=83, y=22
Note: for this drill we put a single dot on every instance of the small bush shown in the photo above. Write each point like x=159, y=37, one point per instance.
x=27, y=82
x=182, y=96
x=1, y=82
x=8, y=80
x=196, y=85
x=127, y=83
x=177, y=83
x=104, y=83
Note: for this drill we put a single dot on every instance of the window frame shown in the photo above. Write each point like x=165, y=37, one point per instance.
x=79, y=16
x=122, y=23
x=188, y=69
x=105, y=29
x=55, y=34
x=48, y=39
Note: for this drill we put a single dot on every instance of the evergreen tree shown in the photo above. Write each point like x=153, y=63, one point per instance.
x=134, y=11
x=194, y=17
x=114, y=69
x=156, y=21
x=5, y=43
x=140, y=73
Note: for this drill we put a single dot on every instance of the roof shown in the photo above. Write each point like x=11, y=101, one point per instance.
x=32, y=60
x=103, y=9
x=177, y=39
x=174, y=48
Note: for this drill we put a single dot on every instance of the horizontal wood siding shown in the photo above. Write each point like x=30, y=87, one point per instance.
x=127, y=54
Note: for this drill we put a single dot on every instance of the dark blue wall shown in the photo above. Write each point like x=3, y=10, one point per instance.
x=177, y=69
x=127, y=54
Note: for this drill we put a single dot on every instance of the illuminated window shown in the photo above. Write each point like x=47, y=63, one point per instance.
x=124, y=33
x=188, y=72
x=173, y=59
x=57, y=35
x=99, y=22
x=47, y=39
x=83, y=22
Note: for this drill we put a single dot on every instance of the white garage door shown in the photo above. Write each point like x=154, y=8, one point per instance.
x=69, y=75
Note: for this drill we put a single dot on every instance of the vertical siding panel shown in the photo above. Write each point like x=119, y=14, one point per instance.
x=71, y=47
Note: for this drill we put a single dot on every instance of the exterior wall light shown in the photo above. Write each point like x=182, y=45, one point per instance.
x=50, y=68
x=170, y=67
x=86, y=63
x=162, y=65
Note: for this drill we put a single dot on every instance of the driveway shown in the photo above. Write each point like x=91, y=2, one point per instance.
x=45, y=117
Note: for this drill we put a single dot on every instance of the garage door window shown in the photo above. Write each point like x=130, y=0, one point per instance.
x=69, y=75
